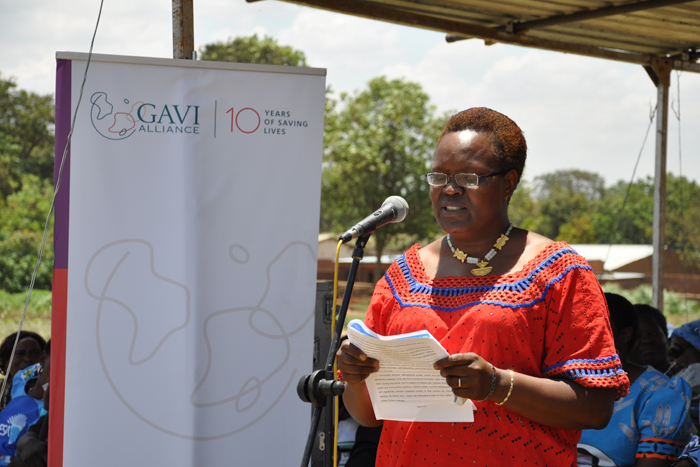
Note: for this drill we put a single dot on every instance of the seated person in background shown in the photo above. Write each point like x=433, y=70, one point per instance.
x=657, y=315
x=684, y=352
x=32, y=448
x=685, y=344
x=651, y=425
x=651, y=345
x=652, y=349
x=28, y=352
x=357, y=444
x=364, y=451
x=22, y=411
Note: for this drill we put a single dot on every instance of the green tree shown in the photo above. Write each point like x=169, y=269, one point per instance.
x=27, y=208
x=26, y=185
x=578, y=230
x=574, y=206
x=18, y=253
x=251, y=49
x=564, y=199
x=522, y=210
x=26, y=136
x=22, y=217
x=682, y=221
x=380, y=143
x=635, y=222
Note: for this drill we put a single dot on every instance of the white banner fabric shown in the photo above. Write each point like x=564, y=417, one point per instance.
x=193, y=232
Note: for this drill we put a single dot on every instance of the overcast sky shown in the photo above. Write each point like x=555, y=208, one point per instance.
x=576, y=112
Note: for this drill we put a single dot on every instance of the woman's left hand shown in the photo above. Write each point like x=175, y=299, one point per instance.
x=557, y=402
x=469, y=375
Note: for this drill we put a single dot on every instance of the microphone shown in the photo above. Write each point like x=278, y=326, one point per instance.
x=394, y=209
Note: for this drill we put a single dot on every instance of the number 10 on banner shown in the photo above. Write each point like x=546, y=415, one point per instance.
x=247, y=120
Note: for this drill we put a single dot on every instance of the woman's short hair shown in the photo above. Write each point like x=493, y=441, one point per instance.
x=648, y=311
x=9, y=342
x=622, y=315
x=507, y=139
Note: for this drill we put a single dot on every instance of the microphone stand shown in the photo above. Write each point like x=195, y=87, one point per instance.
x=320, y=387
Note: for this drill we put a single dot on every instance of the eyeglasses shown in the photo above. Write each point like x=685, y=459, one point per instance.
x=463, y=180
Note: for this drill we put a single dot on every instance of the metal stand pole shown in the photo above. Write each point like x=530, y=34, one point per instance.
x=320, y=387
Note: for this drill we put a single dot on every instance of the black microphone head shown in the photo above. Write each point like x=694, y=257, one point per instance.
x=400, y=206
x=394, y=209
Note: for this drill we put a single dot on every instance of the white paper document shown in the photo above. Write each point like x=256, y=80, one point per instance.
x=407, y=387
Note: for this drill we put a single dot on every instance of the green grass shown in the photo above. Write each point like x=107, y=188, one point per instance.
x=38, y=318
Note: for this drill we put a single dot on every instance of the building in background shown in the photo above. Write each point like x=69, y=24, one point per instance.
x=630, y=266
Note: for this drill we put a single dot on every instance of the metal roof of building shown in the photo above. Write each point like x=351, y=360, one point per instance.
x=631, y=31
x=616, y=256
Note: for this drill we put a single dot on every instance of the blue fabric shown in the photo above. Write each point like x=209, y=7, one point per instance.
x=651, y=422
x=15, y=419
x=690, y=332
x=691, y=451
x=20, y=380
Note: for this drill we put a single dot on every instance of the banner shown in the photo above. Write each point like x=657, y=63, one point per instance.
x=185, y=243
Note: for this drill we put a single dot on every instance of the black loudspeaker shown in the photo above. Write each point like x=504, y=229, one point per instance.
x=322, y=454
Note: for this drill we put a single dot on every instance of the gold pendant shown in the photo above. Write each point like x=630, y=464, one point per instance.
x=482, y=270
x=501, y=241
x=460, y=255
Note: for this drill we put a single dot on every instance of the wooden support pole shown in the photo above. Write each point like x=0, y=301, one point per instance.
x=183, y=29
x=661, y=69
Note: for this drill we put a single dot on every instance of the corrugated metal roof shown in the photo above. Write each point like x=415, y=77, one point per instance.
x=616, y=256
x=632, y=31
x=386, y=259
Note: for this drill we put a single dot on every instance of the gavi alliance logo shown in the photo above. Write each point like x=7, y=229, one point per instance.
x=143, y=117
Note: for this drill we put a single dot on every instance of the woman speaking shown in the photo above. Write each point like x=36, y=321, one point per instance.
x=523, y=318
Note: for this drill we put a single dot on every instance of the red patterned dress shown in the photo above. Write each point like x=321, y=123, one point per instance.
x=548, y=319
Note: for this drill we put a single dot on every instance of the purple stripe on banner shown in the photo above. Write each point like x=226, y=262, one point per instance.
x=63, y=120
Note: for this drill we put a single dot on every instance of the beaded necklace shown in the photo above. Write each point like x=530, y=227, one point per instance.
x=483, y=264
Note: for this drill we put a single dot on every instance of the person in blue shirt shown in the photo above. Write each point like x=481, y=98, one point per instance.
x=27, y=353
x=21, y=413
x=649, y=427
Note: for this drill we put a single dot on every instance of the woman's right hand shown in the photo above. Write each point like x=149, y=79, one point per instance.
x=353, y=364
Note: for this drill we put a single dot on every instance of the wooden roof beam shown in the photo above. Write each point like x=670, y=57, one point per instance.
x=686, y=66
x=689, y=55
x=591, y=14
x=366, y=9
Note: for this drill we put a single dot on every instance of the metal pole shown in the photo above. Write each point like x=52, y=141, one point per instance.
x=183, y=29
x=309, y=394
x=662, y=69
